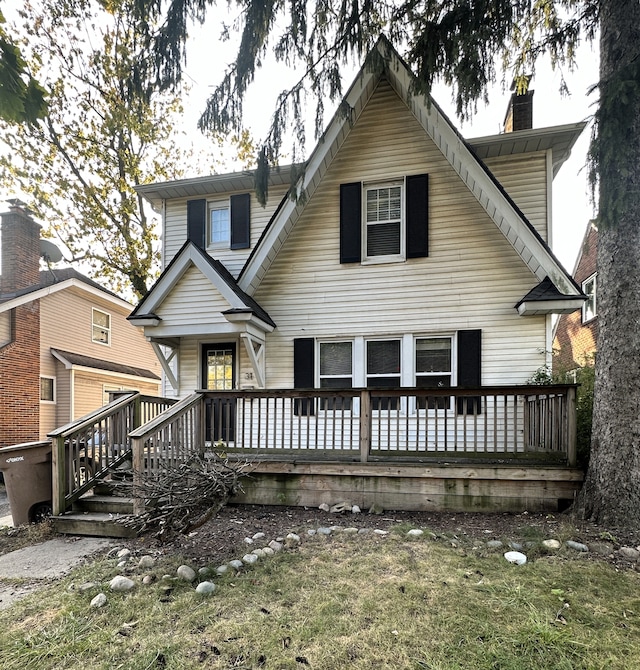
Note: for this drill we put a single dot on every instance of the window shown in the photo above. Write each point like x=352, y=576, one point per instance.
x=47, y=389
x=383, y=370
x=433, y=369
x=219, y=224
x=336, y=371
x=383, y=231
x=101, y=332
x=589, y=288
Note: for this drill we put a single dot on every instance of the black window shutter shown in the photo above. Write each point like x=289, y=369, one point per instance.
x=417, y=205
x=197, y=222
x=469, y=369
x=350, y=222
x=303, y=373
x=241, y=221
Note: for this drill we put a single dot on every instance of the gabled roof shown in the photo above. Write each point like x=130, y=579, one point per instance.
x=54, y=280
x=71, y=360
x=188, y=256
x=522, y=236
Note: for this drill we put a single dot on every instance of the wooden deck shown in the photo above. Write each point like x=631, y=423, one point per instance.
x=484, y=449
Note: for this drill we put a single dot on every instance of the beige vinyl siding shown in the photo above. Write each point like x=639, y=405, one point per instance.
x=193, y=301
x=175, y=226
x=524, y=177
x=89, y=390
x=65, y=323
x=471, y=279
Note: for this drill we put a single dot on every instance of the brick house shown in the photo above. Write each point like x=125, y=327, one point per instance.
x=575, y=336
x=65, y=342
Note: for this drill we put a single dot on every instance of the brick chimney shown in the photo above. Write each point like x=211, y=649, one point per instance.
x=519, y=114
x=20, y=249
x=20, y=357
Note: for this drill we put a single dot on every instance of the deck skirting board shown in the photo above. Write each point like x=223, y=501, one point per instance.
x=413, y=488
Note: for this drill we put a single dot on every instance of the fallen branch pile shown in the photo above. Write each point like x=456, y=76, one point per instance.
x=184, y=497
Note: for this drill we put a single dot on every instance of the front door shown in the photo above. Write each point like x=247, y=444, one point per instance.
x=219, y=374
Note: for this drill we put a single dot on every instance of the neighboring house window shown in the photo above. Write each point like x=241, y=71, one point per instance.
x=101, y=327
x=219, y=224
x=589, y=288
x=47, y=389
x=383, y=236
x=336, y=371
x=433, y=369
x=383, y=370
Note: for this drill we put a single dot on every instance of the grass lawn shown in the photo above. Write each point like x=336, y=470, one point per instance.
x=341, y=602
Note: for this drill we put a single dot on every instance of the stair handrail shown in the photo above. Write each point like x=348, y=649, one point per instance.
x=165, y=418
x=88, y=419
x=64, y=437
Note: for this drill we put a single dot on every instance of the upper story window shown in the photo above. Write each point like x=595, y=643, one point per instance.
x=101, y=327
x=384, y=222
x=219, y=232
x=589, y=288
x=47, y=389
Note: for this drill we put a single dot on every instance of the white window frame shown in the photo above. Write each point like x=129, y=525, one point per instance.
x=95, y=325
x=319, y=376
x=388, y=258
x=53, y=390
x=215, y=206
x=594, y=280
x=452, y=373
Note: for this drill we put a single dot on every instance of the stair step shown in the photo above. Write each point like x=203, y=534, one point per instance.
x=97, y=524
x=108, y=487
x=104, y=503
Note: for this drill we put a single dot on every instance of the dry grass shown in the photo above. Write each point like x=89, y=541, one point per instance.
x=343, y=602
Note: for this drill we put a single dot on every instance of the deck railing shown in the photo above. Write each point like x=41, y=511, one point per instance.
x=366, y=425
x=97, y=444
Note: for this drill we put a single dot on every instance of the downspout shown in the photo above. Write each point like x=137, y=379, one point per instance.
x=72, y=394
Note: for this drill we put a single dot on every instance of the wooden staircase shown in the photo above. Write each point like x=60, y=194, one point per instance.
x=106, y=511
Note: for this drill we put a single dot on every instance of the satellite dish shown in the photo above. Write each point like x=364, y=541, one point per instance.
x=50, y=252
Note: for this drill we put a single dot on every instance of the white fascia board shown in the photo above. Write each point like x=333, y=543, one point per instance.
x=533, y=307
x=203, y=329
x=145, y=321
x=486, y=191
x=247, y=319
x=61, y=286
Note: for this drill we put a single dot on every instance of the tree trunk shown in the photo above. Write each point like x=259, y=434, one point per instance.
x=611, y=493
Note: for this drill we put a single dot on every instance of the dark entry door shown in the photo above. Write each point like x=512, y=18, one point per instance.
x=218, y=374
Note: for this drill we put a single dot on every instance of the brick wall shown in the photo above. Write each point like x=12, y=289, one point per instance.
x=20, y=359
x=575, y=342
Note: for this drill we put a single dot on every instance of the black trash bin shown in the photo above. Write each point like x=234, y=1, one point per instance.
x=27, y=471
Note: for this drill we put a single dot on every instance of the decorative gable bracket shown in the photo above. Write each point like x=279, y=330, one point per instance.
x=256, y=351
x=167, y=354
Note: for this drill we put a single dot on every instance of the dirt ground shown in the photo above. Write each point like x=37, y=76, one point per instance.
x=222, y=538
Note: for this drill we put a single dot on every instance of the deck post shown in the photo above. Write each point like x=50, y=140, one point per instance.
x=365, y=425
x=137, y=462
x=59, y=469
x=572, y=433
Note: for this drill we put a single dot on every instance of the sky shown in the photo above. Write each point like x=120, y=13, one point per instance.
x=572, y=209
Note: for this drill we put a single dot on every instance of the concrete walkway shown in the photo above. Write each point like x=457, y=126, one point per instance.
x=40, y=563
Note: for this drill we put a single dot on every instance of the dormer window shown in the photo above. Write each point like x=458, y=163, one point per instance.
x=101, y=327
x=219, y=224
